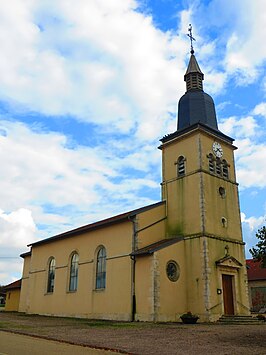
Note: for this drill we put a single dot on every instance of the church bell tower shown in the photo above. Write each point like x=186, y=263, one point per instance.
x=201, y=193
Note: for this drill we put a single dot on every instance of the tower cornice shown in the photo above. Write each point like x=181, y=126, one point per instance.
x=198, y=127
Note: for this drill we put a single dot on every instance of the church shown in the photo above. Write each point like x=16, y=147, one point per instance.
x=183, y=253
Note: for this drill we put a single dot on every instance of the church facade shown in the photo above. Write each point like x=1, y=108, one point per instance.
x=184, y=253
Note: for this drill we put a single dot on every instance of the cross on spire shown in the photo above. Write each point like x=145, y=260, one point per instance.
x=191, y=38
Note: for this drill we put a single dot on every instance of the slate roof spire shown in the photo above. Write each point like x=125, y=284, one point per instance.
x=195, y=106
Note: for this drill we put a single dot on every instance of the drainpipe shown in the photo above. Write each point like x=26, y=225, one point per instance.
x=133, y=267
x=133, y=295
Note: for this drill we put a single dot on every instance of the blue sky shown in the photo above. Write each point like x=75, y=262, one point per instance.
x=87, y=89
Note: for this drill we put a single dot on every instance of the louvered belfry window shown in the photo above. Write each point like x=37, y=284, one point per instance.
x=181, y=166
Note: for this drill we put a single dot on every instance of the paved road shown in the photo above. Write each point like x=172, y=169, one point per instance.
x=17, y=344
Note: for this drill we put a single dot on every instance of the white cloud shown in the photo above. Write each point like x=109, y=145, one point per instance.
x=222, y=106
x=11, y=269
x=216, y=81
x=245, y=49
x=254, y=223
x=250, y=157
x=249, y=164
x=41, y=172
x=250, y=226
x=16, y=228
x=99, y=61
x=239, y=127
x=260, y=109
x=239, y=27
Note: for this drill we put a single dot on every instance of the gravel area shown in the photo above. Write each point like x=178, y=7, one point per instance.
x=142, y=338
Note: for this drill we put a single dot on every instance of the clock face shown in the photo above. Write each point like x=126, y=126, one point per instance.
x=217, y=149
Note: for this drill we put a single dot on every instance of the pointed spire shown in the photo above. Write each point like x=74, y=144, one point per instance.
x=195, y=107
x=194, y=75
x=193, y=66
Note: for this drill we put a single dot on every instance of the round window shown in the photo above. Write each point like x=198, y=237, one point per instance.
x=172, y=270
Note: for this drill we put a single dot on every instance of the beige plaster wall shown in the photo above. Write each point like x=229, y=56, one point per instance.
x=216, y=251
x=144, y=288
x=24, y=292
x=112, y=302
x=196, y=275
x=166, y=300
x=183, y=207
x=151, y=226
x=172, y=295
x=204, y=277
x=158, y=298
x=187, y=146
x=194, y=204
x=217, y=207
x=12, y=300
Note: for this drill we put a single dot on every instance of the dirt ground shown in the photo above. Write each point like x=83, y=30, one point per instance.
x=142, y=338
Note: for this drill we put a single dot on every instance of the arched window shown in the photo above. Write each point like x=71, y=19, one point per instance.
x=51, y=275
x=181, y=166
x=73, y=277
x=211, y=163
x=101, y=268
x=225, y=169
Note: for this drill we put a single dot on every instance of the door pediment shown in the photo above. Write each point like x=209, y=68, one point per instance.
x=229, y=261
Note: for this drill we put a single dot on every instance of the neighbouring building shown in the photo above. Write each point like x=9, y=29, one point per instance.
x=256, y=285
x=184, y=253
x=12, y=296
x=2, y=296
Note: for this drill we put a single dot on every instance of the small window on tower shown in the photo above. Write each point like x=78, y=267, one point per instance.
x=224, y=222
x=211, y=163
x=222, y=192
x=181, y=166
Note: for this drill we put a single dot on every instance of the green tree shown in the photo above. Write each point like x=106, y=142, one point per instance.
x=259, y=251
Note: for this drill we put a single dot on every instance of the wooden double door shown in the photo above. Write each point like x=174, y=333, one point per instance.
x=228, y=294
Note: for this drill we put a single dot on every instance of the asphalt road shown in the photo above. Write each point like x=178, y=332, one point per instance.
x=17, y=344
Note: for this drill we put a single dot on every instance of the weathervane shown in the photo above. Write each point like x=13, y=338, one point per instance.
x=191, y=38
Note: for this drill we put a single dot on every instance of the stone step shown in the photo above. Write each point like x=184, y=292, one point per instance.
x=239, y=320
